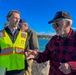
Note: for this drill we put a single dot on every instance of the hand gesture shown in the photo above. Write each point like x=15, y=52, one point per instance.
x=31, y=54
x=65, y=68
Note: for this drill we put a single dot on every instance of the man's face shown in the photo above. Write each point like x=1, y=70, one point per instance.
x=59, y=26
x=14, y=19
x=24, y=27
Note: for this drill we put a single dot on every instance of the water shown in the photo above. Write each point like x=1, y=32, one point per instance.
x=42, y=44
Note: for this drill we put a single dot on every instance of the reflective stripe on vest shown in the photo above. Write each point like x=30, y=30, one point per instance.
x=10, y=51
x=12, y=54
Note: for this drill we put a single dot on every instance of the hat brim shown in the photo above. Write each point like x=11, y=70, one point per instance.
x=54, y=20
x=50, y=22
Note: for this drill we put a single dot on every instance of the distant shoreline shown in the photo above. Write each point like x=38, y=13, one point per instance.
x=44, y=36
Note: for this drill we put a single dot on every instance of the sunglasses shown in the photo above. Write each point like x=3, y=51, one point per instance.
x=56, y=24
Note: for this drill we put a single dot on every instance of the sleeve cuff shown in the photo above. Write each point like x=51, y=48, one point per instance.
x=73, y=66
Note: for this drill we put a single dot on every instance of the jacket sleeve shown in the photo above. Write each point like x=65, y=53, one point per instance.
x=47, y=53
x=33, y=41
x=44, y=56
x=27, y=45
x=73, y=65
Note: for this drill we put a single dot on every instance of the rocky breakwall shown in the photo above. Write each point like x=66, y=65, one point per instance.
x=40, y=68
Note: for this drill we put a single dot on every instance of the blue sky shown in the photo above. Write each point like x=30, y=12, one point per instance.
x=38, y=12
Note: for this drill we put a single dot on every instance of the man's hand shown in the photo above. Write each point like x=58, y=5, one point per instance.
x=31, y=54
x=65, y=68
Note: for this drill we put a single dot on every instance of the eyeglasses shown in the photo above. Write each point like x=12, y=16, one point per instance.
x=56, y=24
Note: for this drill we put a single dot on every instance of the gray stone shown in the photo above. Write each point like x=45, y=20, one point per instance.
x=40, y=68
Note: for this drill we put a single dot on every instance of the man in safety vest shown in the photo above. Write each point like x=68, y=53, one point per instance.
x=13, y=43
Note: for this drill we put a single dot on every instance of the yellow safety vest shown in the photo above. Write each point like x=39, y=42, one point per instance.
x=12, y=54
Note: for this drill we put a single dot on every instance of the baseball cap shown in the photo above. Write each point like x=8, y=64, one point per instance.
x=22, y=21
x=61, y=15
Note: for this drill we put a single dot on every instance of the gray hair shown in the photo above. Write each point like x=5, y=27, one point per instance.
x=68, y=20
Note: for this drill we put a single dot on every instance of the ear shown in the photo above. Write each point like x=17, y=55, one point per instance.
x=67, y=23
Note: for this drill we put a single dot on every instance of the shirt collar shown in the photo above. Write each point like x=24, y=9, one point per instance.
x=71, y=33
x=12, y=28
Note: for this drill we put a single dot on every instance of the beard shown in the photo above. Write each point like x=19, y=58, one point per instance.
x=61, y=31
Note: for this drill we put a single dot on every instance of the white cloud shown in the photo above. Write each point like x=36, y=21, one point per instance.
x=46, y=33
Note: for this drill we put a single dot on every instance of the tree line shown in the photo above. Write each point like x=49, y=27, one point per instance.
x=44, y=36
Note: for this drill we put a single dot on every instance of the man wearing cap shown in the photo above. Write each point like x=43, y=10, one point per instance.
x=61, y=49
x=33, y=43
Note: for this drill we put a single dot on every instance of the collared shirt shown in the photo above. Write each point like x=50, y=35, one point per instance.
x=60, y=51
x=12, y=29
